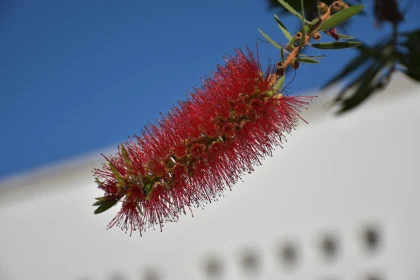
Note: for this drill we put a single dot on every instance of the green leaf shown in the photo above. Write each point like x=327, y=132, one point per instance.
x=270, y=40
x=411, y=62
x=313, y=22
x=282, y=54
x=283, y=28
x=308, y=60
x=336, y=45
x=364, y=88
x=370, y=80
x=415, y=32
x=105, y=199
x=105, y=206
x=290, y=9
x=340, y=17
x=366, y=53
x=116, y=174
x=414, y=74
x=302, y=40
x=280, y=83
x=98, y=182
x=318, y=10
x=311, y=56
x=349, y=68
x=148, y=189
x=411, y=56
x=99, y=202
x=345, y=37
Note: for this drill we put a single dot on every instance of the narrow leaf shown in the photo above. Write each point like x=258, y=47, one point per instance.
x=318, y=10
x=313, y=22
x=105, y=206
x=411, y=58
x=340, y=17
x=270, y=40
x=280, y=83
x=97, y=203
x=349, y=68
x=366, y=54
x=414, y=74
x=336, y=45
x=311, y=56
x=282, y=54
x=364, y=88
x=98, y=182
x=345, y=37
x=308, y=60
x=116, y=174
x=290, y=9
x=302, y=40
x=283, y=28
x=148, y=189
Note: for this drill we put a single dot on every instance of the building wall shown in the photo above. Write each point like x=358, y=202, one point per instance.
x=340, y=201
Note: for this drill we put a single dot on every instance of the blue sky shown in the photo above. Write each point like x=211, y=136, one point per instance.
x=80, y=76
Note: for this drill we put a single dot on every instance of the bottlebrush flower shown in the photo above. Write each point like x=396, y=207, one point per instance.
x=200, y=148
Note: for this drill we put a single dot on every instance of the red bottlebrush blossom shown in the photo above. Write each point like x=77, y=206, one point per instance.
x=197, y=150
x=200, y=148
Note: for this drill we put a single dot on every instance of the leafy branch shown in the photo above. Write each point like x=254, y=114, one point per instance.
x=329, y=17
x=375, y=63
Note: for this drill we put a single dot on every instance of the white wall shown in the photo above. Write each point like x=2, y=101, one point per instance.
x=335, y=176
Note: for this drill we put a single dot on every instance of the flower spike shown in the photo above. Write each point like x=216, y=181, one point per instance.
x=200, y=148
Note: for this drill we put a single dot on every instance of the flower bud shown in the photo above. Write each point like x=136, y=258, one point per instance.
x=315, y=35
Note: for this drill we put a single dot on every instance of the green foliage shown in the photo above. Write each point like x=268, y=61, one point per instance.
x=345, y=37
x=336, y=45
x=308, y=60
x=311, y=56
x=410, y=54
x=354, y=64
x=105, y=206
x=270, y=40
x=377, y=63
x=283, y=28
x=279, y=83
x=292, y=10
x=302, y=41
x=282, y=54
x=311, y=6
x=372, y=68
x=148, y=188
x=116, y=174
x=341, y=17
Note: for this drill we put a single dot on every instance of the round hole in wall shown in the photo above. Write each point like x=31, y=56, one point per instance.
x=329, y=246
x=151, y=274
x=374, y=276
x=250, y=261
x=117, y=276
x=213, y=266
x=371, y=237
x=288, y=253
